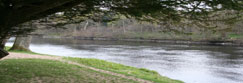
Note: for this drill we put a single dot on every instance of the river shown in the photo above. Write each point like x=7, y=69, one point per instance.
x=189, y=63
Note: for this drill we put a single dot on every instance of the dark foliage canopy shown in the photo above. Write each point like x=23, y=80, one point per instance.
x=15, y=12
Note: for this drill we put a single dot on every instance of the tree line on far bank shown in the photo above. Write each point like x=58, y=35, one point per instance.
x=131, y=28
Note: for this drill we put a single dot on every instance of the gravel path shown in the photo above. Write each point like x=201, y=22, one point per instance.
x=31, y=56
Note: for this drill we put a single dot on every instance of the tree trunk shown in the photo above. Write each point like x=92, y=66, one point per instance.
x=112, y=27
x=3, y=53
x=123, y=26
x=74, y=31
x=85, y=26
x=22, y=43
x=141, y=28
x=2, y=43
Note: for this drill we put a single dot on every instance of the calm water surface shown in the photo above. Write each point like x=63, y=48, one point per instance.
x=189, y=63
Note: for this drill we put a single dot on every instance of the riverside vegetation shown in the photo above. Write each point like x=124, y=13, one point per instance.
x=67, y=69
x=133, y=29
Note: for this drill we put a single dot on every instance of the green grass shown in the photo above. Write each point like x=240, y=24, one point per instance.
x=19, y=51
x=100, y=64
x=122, y=69
x=37, y=70
x=145, y=35
x=235, y=36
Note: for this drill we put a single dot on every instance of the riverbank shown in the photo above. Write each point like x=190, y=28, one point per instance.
x=34, y=67
x=170, y=41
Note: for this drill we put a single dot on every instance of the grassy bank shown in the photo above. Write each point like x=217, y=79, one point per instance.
x=25, y=52
x=35, y=70
x=122, y=69
x=48, y=71
x=146, y=36
x=20, y=51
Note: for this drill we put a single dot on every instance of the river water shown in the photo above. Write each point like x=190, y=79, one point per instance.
x=189, y=63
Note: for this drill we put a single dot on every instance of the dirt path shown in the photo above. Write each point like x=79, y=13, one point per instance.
x=30, y=56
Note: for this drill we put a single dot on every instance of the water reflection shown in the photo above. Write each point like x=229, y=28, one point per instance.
x=189, y=63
